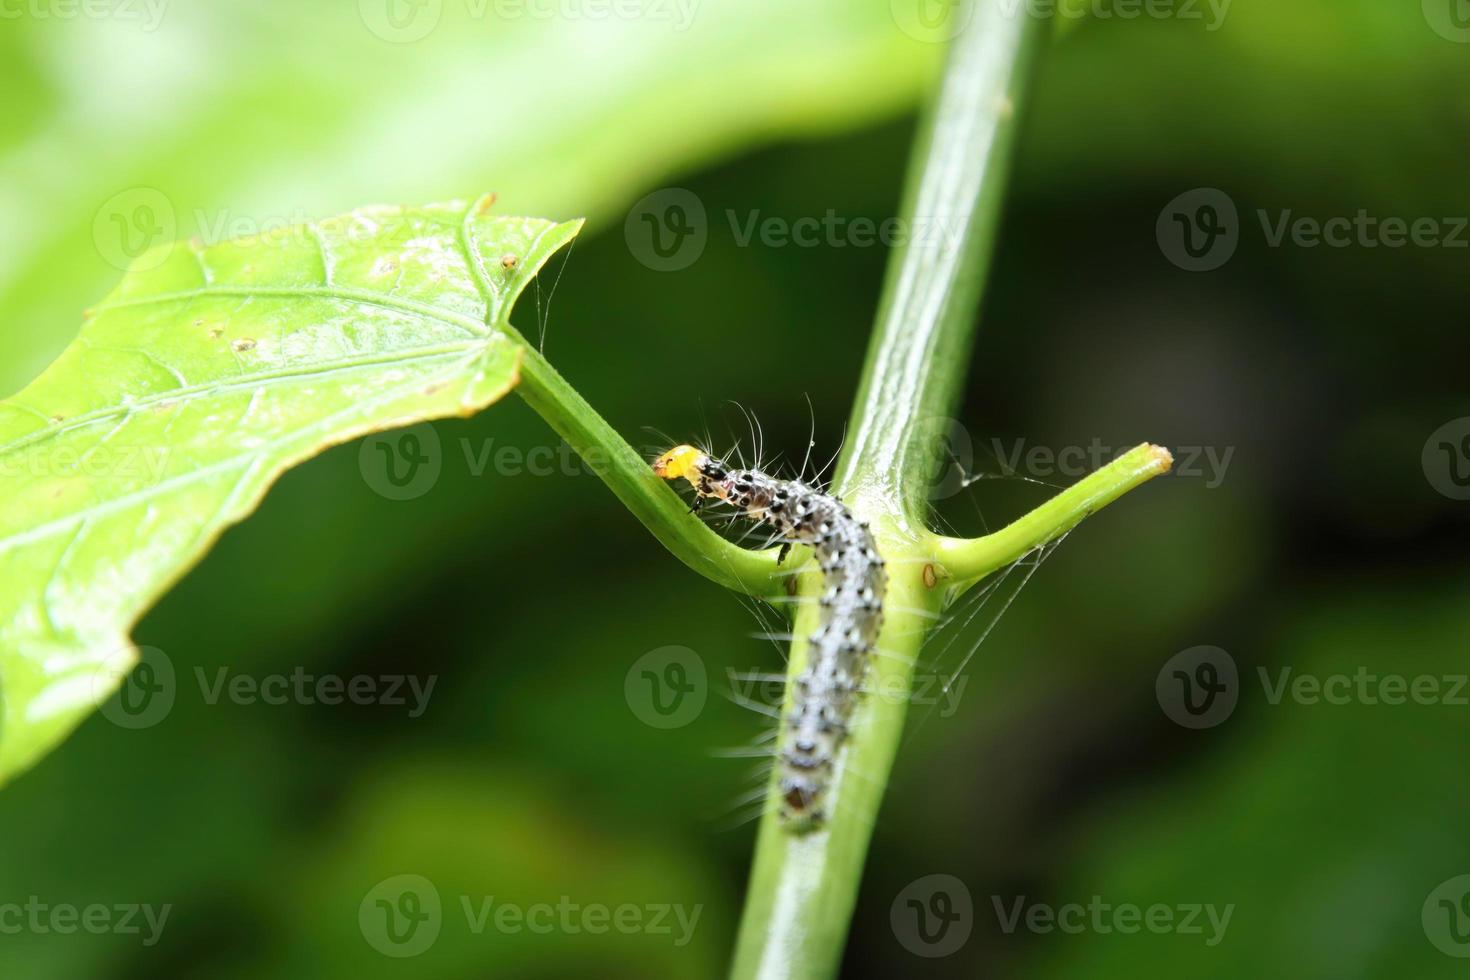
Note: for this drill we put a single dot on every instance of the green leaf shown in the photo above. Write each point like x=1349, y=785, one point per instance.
x=249, y=115
x=200, y=379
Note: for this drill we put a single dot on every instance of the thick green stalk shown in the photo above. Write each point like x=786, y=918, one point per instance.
x=919, y=353
x=803, y=886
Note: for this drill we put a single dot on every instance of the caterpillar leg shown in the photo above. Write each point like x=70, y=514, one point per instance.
x=785, y=550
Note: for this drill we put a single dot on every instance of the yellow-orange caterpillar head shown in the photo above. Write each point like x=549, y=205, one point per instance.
x=680, y=462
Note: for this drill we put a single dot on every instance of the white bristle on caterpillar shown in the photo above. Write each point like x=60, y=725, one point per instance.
x=851, y=614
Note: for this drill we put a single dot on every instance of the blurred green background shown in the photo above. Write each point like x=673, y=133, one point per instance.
x=1323, y=545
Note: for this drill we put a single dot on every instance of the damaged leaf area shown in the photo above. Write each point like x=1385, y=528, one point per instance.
x=204, y=375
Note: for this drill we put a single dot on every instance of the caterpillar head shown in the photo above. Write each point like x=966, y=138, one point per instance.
x=684, y=462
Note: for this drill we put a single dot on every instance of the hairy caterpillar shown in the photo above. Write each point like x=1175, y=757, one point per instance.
x=851, y=613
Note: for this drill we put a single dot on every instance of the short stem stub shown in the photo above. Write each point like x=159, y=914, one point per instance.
x=969, y=559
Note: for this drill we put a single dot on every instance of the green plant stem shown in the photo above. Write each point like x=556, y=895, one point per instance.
x=919, y=353
x=803, y=886
x=629, y=476
x=969, y=559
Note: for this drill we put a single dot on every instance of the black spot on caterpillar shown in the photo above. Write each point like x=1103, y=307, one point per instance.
x=850, y=614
